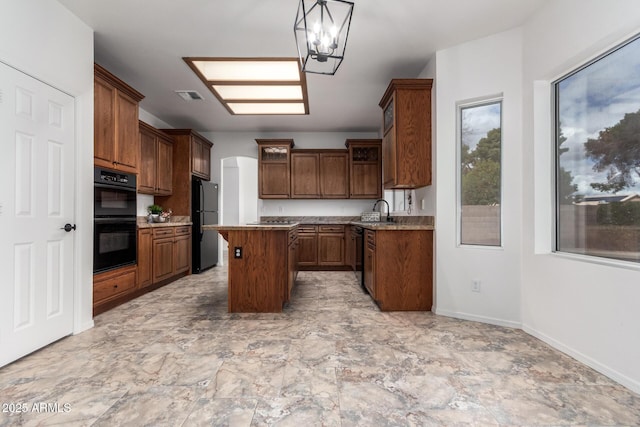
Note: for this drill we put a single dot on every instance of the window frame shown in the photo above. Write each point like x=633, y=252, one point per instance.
x=460, y=105
x=555, y=159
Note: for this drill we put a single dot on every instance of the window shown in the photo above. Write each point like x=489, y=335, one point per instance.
x=396, y=200
x=480, y=133
x=597, y=150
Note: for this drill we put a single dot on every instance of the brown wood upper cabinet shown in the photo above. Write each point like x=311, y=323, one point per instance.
x=156, y=161
x=186, y=143
x=319, y=174
x=116, y=138
x=406, y=145
x=365, y=168
x=201, y=157
x=274, y=157
x=285, y=173
x=305, y=172
x=334, y=174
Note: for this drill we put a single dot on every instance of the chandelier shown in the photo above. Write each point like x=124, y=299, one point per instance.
x=321, y=30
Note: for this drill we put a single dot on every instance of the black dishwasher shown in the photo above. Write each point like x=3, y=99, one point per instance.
x=358, y=256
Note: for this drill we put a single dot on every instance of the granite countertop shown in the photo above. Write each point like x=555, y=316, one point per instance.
x=320, y=220
x=291, y=222
x=399, y=222
x=392, y=225
x=256, y=226
x=174, y=222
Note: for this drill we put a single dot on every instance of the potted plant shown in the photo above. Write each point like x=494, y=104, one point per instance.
x=154, y=212
x=165, y=216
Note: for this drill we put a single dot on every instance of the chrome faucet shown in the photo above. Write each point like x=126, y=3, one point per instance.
x=376, y=204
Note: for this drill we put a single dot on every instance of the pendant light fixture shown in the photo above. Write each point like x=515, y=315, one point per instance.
x=321, y=30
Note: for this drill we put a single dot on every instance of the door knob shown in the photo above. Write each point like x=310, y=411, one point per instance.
x=68, y=227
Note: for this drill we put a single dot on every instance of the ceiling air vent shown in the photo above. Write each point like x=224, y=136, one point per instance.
x=189, y=95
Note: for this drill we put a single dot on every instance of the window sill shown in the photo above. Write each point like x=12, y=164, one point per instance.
x=591, y=259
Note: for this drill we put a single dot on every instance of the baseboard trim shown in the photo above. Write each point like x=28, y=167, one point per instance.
x=476, y=318
x=581, y=357
x=83, y=327
x=613, y=374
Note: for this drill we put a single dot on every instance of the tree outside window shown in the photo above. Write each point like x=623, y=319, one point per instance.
x=598, y=157
x=480, y=173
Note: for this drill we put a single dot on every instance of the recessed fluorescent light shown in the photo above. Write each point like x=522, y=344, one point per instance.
x=249, y=70
x=267, y=108
x=236, y=82
x=259, y=92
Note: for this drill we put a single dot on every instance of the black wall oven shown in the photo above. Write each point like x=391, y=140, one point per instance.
x=114, y=224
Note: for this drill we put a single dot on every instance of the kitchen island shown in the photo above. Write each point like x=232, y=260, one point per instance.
x=395, y=258
x=262, y=265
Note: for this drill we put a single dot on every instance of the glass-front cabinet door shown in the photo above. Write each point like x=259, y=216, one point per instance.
x=274, y=157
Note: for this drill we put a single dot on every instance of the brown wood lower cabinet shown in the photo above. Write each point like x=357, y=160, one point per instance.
x=398, y=269
x=162, y=254
x=259, y=277
x=292, y=264
x=145, y=264
x=331, y=245
x=171, y=252
x=322, y=247
x=113, y=284
x=182, y=250
x=307, y=245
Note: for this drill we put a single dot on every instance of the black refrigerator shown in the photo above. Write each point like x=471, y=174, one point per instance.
x=204, y=211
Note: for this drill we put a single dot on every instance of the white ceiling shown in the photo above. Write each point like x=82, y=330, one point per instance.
x=143, y=42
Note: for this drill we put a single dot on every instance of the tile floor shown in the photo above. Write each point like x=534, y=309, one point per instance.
x=175, y=357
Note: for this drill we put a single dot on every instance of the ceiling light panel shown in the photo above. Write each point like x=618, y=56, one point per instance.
x=249, y=92
x=267, y=108
x=247, y=85
x=249, y=70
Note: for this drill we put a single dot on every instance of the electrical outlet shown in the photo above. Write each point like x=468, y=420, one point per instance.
x=237, y=252
x=280, y=209
x=475, y=285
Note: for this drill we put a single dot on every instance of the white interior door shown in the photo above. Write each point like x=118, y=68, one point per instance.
x=36, y=201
